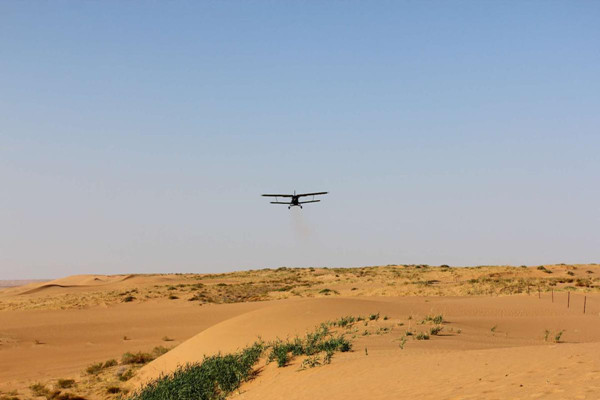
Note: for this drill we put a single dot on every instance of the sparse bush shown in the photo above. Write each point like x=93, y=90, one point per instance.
x=435, y=330
x=422, y=336
x=136, y=358
x=382, y=330
x=316, y=342
x=173, y=297
x=583, y=282
x=127, y=375
x=128, y=299
x=374, y=317
x=327, y=291
x=94, y=368
x=39, y=390
x=159, y=351
x=558, y=336
x=493, y=328
x=65, y=383
x=402, y=342
x=311, y=362
x=436, y=319
x=546, y=335
x=113, y=389
x=344, y=321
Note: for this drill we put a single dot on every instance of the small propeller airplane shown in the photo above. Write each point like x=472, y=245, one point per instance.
x=294, y=198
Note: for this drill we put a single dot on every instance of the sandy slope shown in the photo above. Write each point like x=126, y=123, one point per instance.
x=565, y=371
x=55, y=329
x=448, y=366
x=73, y=339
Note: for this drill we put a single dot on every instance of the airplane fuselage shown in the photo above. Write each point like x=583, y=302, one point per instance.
x=294, y=202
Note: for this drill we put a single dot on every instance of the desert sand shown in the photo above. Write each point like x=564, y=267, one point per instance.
x=507, y=332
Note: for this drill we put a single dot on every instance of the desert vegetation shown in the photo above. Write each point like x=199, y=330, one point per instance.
x=280, y=283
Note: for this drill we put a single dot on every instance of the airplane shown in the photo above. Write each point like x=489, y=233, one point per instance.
x=294, y=201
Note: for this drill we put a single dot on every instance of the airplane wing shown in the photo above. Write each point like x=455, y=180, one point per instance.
x=311, y=194
x=277, y=195
x=279, y=202
x=309, y=201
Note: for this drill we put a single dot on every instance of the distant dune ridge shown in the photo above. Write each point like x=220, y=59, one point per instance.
x=500, y=332
x=19, y=282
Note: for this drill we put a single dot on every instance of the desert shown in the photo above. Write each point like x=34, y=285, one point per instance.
x=411, y=331
x=299, y=200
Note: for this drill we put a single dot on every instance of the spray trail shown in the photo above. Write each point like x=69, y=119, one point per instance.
x=300, y=225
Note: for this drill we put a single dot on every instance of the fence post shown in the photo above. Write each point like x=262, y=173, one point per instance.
x=584, y=301
x=539, y=294
x=553, y=295
x=569, y=300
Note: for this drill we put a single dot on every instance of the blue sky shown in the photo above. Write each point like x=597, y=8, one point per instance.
x=137, y=137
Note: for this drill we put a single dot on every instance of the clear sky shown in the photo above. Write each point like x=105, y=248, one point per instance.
x=138, y=136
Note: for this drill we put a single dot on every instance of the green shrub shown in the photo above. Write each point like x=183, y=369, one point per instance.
x=546, y=334
x=435, y=330
x=558, y=336
x=212, y=379
x=436, y=319
x=344, y=321
x=422, y=336
x=279, y=352
x=315, y=342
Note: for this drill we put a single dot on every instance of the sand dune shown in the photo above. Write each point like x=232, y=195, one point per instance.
x=520, y=323
x=492, y=346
